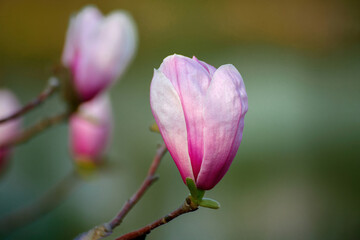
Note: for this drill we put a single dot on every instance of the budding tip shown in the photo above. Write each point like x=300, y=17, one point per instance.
x=54, y=81
x=107, y=228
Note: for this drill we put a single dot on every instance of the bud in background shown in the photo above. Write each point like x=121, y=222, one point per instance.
x=200, y=112
x=4, y=153
x=10, y=129
x=90, y=130
x=98, y=49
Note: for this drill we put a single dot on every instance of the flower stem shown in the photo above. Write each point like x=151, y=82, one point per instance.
x=106, y=229
x=149, y=180
x=52, y=87
x=36, y=129
x=186, y=207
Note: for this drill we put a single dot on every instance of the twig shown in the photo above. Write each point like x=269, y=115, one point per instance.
x=107, y=228
x=47, y=202
x=188, y=206
x=149, y=180
x=52, y=86
x=36, y=129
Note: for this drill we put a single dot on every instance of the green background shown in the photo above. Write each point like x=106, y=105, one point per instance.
x=296, y=174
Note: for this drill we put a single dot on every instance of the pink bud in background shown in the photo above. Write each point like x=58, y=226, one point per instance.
x=8, y=130
x=90, y=130
x=4, y=154
x=200, y=112
x=98, y=49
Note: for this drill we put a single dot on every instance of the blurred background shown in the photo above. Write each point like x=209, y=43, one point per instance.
x=297, y=172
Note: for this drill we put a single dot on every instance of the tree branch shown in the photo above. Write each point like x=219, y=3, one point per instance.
x=36, y=129
x=107, y=228
x=149, y=180
x=52, y=86
x=43, y=205
x=188, y=206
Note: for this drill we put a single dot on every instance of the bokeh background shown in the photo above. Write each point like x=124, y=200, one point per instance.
x=297, y=172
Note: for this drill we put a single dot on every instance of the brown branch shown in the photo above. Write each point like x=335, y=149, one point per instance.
x=36, y=129
x=52, y=86
x=107, y=228
x=149, y=180
x=47, y=202
x=188, y=206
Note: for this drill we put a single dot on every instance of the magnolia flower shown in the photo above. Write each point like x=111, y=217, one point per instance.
x=10, y=129
x=98, y=49
x=200, y=112
x=90, y=130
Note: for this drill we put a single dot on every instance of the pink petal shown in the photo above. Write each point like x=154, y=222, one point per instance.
x=90, y=129
x=211, y=70
x=168, y=113
x=8, y=105
x=106, y=56
x=4, y=157
x=88, y=141
x=81, y=29
x=224, y=111
x=98, y=49
x=116, y=43
x=191, y=80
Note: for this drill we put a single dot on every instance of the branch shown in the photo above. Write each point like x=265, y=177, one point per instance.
x=149, y=180
x=43, y=205
x=188, y=206
x=107, y=228
x=52, y=86
x=36, y=129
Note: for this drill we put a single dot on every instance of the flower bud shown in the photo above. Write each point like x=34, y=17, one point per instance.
x=10, y=129
x=200, y=112
x=4, y=153
x=90, y=130
x=98, y=49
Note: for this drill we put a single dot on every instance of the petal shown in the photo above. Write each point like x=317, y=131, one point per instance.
x=98, y=109
x=8, y=105
x=80, y=39
x=225, y=108
x=88, y=140
x=168, y=113
x=116, y=44
x=211, y=70
x=98, y=49
x=4, y=156
x=81, y=28
x=191, y=80
x=90, y=129
x=125, y=42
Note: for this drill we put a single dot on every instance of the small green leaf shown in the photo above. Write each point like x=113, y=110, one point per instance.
x=209, y=203
x=200, y=194
x=196, y=194
x=154, y=128
x=192, y=188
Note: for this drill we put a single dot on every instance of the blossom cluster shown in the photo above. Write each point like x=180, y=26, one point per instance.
x=199, y=109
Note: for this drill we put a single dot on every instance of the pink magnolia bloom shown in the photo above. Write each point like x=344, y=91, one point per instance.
x=90, y=130
x=98, y=49
x=8, y=130
x=200, y=112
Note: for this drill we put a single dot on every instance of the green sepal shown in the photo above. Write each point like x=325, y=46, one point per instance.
x=87, y=167
x=192, y=187
x=209, y=203
x=154, y=128
x=200, y=194
x=196, y=194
